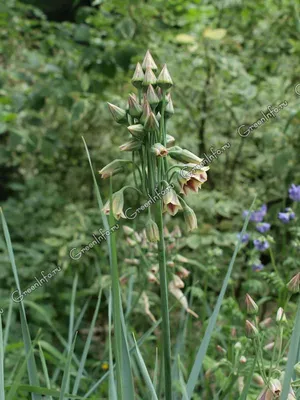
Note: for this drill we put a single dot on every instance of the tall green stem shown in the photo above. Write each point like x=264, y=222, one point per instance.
x=164, y=302
x=116, y=302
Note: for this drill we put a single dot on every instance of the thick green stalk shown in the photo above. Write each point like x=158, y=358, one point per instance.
x=164, y=302
x=116, y=302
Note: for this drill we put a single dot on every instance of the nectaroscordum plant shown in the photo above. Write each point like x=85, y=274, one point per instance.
x=159, y=166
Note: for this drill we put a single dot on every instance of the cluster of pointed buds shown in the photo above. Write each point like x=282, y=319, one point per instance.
x=159, y=162
x=178, y=271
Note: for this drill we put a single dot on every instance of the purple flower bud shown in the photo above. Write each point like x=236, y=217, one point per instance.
x=294, y=192
x=245, y=238
x=263, y=227
x=261, y=245
x=256, y=216
x=257, y=267
x=286, y=216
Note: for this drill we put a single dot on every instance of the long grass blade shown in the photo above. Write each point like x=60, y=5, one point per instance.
x=193, y=378
x=31, y=367
x=144, y=371
x=292, y=356
x=66, y=375
x=2, y=393
x=45, y=369
x=87, y=346
x=112, y=385
x=8, y=322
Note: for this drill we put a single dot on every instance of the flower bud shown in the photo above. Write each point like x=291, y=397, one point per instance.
x=135, y=110
x=154, y=268
x=132, y=145
x=159, y=150
x=149, y=78
x=152, y=96
x=152, y=231
x=152, y=278
x=118, y=114
x=183, y=273
x=251, y=330
x=127, y=230
x=132, y=261
x=146, y=110
x=280, y=316
x=221, y=350
x=190, y=218
x=170, y=140
x=136, y=130
x=131, y=242
x=164, y=79
x=238, y=346
x=177, y=233
x=113, y=168
x=171, y=264
x=151, y=123
x=258, y=380
x=252, y=307
x=169, y=111
x=243, y=360
x=185, y=156
x=178, y=282
x=138, y=76
x=294, y=284
x=269, y=346
x=148, y=62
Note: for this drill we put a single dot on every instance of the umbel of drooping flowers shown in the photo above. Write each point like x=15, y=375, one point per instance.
x=162, y=171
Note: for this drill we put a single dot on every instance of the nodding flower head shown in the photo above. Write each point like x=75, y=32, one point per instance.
x=152, y=231
x=117, y=205
x=183, y=155
x=190, y=218
x=112, y=168
x=192, y=182
x=159, y=150
x=171, y=202
x=294, y=192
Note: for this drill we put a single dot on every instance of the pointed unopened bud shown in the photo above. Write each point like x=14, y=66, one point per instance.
x=238, y=346
x=221, y=350
x=280, y=316
x=149, y=78
x=190, y=218
x=146, y=110
x=258, y=380
x=243, y=360
x=135, y=110
x=170, y=140
x=131, y=242
x=269, y=346
x=152, y=278
x=252, y=307
x=159, y=150
x=169, y=111
x=177, y=233
x=136, y=130
x=152, y=231
x=148, y=62
x=251, y=330
x=118, y=114
x=151, y=123
x=294, y=284
x=132, y=145
x=127, y=230
x=138, y=76
x=159, y=93
x=164, y=79
x=183, y=155
x=113, y=168
x=152, y=96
